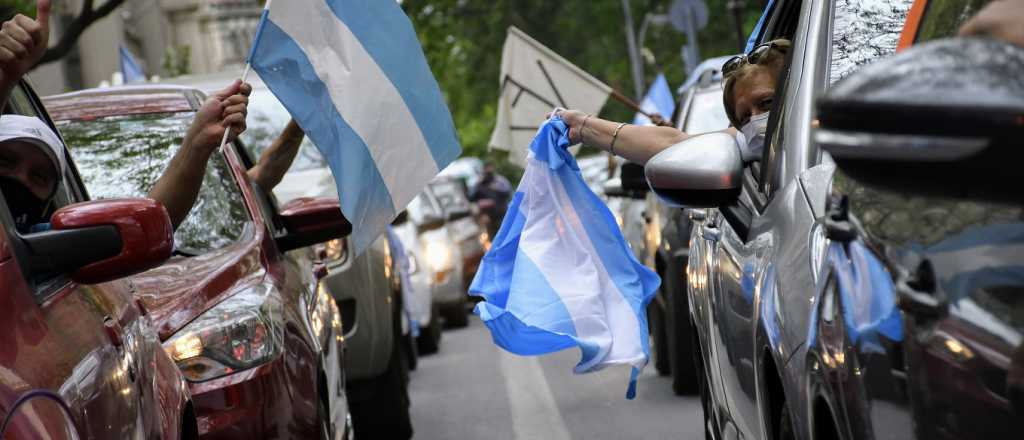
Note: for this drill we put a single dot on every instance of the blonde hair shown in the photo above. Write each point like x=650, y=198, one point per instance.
x=772, y=60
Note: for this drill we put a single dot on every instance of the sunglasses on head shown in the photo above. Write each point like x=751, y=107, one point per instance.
x=754, y=56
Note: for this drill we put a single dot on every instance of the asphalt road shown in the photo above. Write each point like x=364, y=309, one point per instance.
x=472, y=390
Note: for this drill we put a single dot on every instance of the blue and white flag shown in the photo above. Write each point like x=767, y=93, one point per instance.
x=659, y=99
x=353, y=75
x=130, y=68
x=559, y=273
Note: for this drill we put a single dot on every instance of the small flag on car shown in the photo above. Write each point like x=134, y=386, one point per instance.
x=353, y=75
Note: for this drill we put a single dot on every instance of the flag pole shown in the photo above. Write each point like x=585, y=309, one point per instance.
x=248, y=62
x=664, y=120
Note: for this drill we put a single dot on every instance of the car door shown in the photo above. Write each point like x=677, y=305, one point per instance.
x=79, y=344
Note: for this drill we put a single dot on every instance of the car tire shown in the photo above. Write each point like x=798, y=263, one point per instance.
x=455, y=315
x=429, y=340
x=678, y=329
x=381, y=405
x=661, y=351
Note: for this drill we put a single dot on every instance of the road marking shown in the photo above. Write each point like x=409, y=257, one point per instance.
x=535, y=415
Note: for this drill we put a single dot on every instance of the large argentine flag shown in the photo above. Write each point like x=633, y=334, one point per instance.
x=559, y=273
x=353, y=75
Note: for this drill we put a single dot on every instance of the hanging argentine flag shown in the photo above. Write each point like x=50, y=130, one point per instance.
x=559, y=273
x=353, y=75
x=659, y=99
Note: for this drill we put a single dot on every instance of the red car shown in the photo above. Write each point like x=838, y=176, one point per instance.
x=79, y=357
x=237, y=307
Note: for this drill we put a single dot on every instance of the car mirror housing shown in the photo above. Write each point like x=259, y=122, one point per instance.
x=701, y=172
x=936, y=118
x=103, y=240
x=309, y=221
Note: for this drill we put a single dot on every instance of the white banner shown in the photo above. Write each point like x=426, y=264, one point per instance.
x=534, y=80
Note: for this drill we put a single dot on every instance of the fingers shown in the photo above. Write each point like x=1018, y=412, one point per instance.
x=245, y=88
x=18, y=33
x=236, y=122
x=38, y=34
x=43, y=13
x=12, y=45
x=227, y=91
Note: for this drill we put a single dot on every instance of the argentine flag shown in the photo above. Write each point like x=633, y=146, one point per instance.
x=559, y=273
x=353, y=75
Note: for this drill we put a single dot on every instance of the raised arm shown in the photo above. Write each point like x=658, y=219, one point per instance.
x=178, y=187
x=23, y=41
x=636, y=143
x=275, y=161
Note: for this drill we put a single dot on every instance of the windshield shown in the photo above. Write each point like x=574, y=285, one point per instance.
x=266, y=118
x=123, y=156
x=450, y=196
x=864, y=31
x=422, y=210
x=706, y=113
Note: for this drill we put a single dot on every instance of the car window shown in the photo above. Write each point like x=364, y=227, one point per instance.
x=123, y=156
x=450, y=196
x=422, y=210
x=864, y=31
x=265, y=120
x=943, y=18
x=706, y=113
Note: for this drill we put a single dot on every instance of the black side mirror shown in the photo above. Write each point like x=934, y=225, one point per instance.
x=401, y=218
x=945, y=117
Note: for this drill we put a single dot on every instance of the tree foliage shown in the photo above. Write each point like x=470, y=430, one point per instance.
x=463, y=40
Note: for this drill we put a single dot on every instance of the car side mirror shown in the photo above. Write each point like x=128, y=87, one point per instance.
x=944, y=117
x=103, y=240
x=701, y=172
x=309, y=221
x=400, y=219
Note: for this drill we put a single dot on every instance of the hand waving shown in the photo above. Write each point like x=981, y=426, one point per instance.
x=23, y=41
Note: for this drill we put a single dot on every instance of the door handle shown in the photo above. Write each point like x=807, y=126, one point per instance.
x=710, y=233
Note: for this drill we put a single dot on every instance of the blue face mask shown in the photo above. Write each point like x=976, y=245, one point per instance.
x=751, y=137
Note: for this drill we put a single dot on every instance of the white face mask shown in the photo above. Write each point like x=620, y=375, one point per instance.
x=750, y=139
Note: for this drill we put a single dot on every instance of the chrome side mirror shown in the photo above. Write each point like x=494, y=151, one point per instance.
x=701, y=172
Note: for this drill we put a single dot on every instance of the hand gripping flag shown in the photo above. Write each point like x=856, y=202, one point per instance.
x=559, y=273
x=353, y=75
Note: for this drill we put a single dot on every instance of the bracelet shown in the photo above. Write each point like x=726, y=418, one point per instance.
x=615, y=136
x=582, y=126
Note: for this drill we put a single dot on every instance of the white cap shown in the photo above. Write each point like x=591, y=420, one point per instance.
x=34, y=131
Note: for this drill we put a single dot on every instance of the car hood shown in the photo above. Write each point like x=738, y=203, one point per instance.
x=184, y=287
x=316, y=182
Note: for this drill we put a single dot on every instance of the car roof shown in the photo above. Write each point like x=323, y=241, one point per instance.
x=120, y=101
x=713, y=65
x=211, y=82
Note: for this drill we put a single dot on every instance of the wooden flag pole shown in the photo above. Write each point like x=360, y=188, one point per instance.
x=662, y=120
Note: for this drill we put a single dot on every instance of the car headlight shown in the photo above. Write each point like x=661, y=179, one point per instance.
x=241, y=332
x=438, y=254
x=334, y=250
